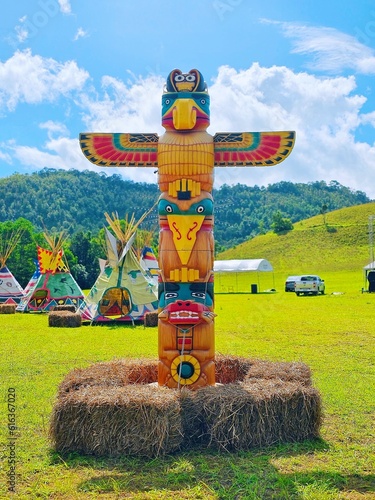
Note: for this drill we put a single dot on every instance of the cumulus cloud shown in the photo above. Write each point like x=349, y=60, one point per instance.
x=65, y=6
x=46, y=79
x=331, y=50
x=325, y=112
x=133, y=106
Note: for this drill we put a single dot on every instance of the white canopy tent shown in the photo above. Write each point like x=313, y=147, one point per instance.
x=241, y=266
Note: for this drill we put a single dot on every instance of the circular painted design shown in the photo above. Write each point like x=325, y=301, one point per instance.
x=185, y=369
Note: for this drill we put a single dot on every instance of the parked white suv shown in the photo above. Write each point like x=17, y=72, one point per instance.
x=309, y=284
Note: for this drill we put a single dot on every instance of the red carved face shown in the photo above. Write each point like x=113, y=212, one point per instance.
x=185, y=312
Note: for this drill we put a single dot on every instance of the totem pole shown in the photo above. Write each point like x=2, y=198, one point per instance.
x=185, y=157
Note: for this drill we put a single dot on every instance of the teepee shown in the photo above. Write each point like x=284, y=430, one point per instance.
x=11, y=291
x=125, y=290
x=55, y=285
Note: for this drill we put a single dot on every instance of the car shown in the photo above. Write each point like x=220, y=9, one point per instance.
x=289, y=283
x=310, y=284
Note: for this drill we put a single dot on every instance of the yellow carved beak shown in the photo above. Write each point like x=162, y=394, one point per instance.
x=184, y=114
x=184, y=229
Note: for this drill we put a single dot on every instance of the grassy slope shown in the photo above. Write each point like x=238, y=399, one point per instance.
x=310, y=247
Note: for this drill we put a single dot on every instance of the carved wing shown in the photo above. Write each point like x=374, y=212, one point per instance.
x=121, y=150
x=252, y=148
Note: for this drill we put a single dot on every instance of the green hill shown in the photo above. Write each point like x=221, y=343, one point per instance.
x=339, y=244
x=76, y=201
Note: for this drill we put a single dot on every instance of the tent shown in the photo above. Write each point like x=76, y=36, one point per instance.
x=54, y=285
x=125, y=289
x=150, y=262
x=241, y=266
x=11, y=291
x=369, y=277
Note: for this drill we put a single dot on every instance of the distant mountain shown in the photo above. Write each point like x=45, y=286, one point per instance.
x=76, y=201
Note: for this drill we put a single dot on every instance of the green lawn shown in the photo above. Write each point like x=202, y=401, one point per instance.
x=334, y=334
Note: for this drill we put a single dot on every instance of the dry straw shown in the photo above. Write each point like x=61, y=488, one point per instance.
x=8, y=242
x=117, y=408
x=65, y=307
x=8, y=308
x=64, y=319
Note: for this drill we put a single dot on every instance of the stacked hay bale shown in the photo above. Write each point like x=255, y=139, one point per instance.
x=151, y=319
x=8, y=308
x=117, y=408
x=64, y=319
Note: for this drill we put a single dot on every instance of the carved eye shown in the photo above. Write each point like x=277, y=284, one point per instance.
x=179, y=78
x=190, y=78
x=171, y=295
x=200, y=209
x=167, y=101
x=203, y=101
x=169, y=209
x=198, y=295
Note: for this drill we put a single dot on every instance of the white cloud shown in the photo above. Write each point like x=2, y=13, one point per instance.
x=65, y=6
x=46, y=79
x=325, y=112
x=332, y=50
x=81, y=33
x=134, y=106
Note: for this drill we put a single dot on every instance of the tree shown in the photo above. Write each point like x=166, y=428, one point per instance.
x=280, y=224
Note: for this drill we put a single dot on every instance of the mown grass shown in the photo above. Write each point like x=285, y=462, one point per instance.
x=334, y=334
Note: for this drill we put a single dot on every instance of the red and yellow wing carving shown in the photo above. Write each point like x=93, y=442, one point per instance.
x=126, y=150
x=252, y=148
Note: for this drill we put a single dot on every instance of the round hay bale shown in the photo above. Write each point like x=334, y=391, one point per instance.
x=65, y=307
x=117, y=408
x=65, y=319
x=151, y=319
x=8, y=308
x=131, y=420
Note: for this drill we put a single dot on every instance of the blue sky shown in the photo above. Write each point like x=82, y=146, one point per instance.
x=70, y=66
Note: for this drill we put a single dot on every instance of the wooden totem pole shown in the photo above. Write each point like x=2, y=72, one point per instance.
x=185, y=157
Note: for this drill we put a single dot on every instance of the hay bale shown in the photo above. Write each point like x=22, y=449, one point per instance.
x=230, y=369
x=8, y=308
x=151, y=319
x=65, y=319
x=285, y=371
x=117, y=408
x=117, y=373
x=65, y=307
x=132, y=420
x=237, y=417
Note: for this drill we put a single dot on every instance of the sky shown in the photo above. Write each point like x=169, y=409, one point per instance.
x=71, y=66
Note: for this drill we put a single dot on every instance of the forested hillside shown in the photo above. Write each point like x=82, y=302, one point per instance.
x=76, y=201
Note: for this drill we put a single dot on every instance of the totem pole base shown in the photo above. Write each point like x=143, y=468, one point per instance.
x=117, y=408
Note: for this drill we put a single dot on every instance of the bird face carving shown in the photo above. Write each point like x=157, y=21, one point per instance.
x=185, y=102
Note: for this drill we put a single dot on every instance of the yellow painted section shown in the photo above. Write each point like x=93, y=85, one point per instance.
x=184, y=229
x=184, y=114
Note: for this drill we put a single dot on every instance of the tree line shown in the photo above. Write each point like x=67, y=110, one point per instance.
x=74, y=201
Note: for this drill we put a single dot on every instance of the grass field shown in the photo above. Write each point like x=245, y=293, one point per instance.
x=334, y=334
